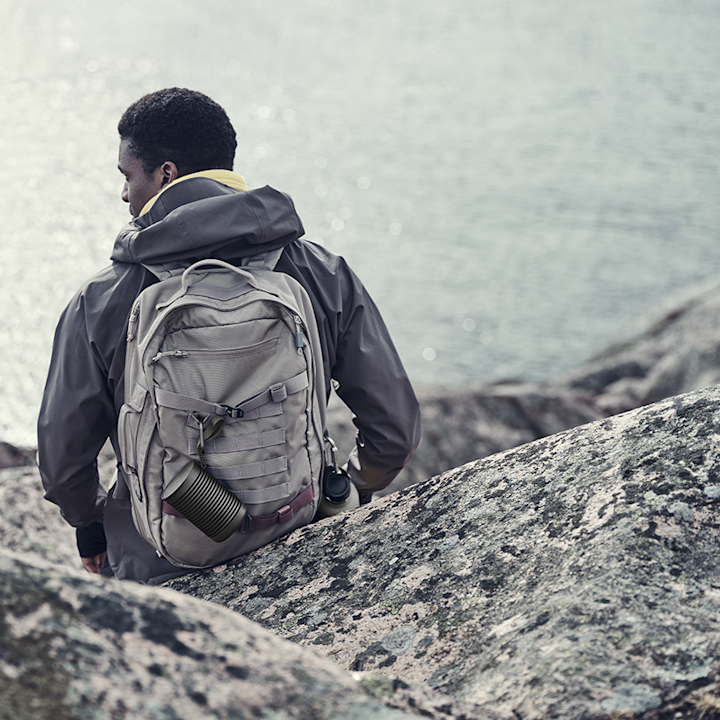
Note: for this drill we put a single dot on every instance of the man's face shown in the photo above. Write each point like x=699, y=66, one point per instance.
x=139, y=186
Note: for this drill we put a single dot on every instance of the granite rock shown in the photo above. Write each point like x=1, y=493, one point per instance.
x=12, y=456
x=673, y=351
x=30, y=524
x=576, y=576
x=76, y=647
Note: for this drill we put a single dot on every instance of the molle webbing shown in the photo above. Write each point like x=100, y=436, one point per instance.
x=275, y=394
x=251, y=441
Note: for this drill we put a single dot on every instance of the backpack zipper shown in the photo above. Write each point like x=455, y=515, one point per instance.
x=220, y=352
x=171, y=353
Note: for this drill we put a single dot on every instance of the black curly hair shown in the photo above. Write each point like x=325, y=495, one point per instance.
x=180, y=125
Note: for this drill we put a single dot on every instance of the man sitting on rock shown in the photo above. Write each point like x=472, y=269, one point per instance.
x=181, y=143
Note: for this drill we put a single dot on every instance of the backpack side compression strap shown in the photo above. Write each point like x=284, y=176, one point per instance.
x=283, y=515
x=263, y=522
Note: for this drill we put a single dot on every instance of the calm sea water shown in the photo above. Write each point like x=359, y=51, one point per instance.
x=514, y=180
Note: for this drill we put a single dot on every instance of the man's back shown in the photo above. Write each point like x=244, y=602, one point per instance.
x=197, y=216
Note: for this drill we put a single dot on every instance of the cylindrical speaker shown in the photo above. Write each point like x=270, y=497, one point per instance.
x=205, y=502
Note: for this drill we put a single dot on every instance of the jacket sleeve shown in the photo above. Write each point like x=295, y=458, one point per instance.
x=76, y=417
x=373, y=383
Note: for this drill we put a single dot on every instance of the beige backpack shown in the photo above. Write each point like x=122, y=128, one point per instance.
x=222, y=430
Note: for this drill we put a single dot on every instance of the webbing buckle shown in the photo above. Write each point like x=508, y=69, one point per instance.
x=232, y=411
x=246, y=526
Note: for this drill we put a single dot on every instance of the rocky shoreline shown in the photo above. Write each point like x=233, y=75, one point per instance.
x=674, y=351
x=571, y=574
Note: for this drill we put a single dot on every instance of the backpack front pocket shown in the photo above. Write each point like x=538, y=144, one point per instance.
x=210, y=362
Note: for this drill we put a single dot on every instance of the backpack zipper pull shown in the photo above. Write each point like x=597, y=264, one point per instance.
x=133, y=322
x=171, y=353
x=299, y=338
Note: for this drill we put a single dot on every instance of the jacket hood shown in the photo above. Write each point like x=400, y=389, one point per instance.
x=203, y=218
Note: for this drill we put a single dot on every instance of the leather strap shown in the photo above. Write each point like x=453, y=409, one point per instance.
x=283, y=515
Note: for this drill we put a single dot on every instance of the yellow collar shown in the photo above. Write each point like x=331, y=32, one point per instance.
x=226, y=177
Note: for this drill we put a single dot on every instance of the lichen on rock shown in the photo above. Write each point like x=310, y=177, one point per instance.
x=75, y=647
x=576, y=576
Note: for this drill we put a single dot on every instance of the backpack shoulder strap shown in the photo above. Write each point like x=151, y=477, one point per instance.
x=264, y=261
x=163, y=271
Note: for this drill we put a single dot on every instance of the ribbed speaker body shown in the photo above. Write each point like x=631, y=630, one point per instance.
x=205, y=502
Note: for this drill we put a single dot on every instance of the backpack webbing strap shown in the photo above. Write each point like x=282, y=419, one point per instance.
x=249, y=470
x=263, y=495
x=283, y=515
x=275, y=394
x=240, y=443
x=264, y=411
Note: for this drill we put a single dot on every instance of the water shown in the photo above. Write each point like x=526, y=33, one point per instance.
x=513, y=180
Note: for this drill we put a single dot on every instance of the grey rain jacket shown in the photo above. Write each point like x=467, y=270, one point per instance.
x=196, y=219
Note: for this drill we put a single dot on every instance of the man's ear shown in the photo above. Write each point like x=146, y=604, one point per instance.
x=168, y=173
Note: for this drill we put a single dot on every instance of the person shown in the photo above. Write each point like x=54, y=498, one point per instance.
x=177, y=149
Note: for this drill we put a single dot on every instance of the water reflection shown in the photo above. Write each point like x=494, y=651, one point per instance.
x=537, y=177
